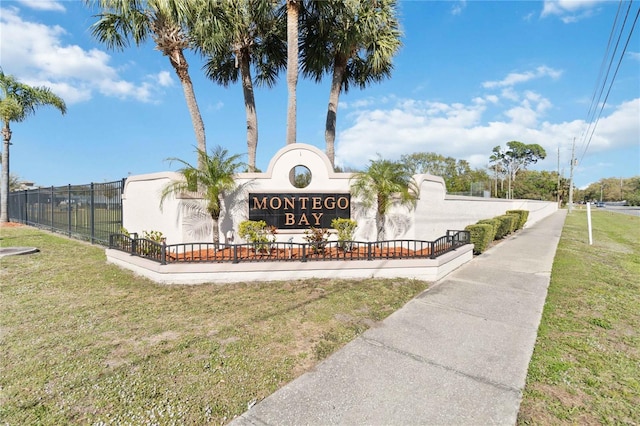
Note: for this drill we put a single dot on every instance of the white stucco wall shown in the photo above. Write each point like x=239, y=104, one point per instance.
x=141, y=206
x=435, y=212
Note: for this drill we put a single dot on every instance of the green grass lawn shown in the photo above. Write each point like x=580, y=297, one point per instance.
x=84, y=342
x=586, y=363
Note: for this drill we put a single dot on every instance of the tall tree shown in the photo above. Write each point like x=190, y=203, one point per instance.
x=518, y=156
x=457, y=174
x=380, y=184
x=353, y=40
x=17, y=102
x=211, y=181
x=248, y=33
x=293, y=8
x=536, y=185
x=121, y=21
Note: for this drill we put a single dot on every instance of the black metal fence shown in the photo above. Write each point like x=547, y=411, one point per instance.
x=90, y=212
x=287, y=251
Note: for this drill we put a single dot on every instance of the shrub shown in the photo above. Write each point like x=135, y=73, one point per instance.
x=257, y=233
x=151, y=249
x=481, y=236
x=155, y=236
x=317, y=237
x=495, y=223
x=523, y=215
x=516, y=221
x=506, y=226
x=345, y=228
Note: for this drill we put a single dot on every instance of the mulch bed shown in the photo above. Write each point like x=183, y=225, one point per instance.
x=10, y=225
x=245, y=254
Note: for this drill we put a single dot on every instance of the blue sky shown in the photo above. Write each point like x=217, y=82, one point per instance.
x=471, y=75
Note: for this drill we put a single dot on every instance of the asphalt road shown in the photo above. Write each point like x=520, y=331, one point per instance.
x=630, y=210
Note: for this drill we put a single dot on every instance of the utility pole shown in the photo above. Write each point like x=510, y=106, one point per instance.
x=573, y=151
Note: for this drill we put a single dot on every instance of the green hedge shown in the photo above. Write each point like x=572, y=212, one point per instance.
x=481, y=236
x=523, y=215
x=495, y=223
x=507, y=225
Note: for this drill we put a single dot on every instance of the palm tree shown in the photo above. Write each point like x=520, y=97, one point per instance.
x=293, y=15
x=249, y=32
x=17, y=102
x=381, y=184
x=123, y=20
x=211, y=181
x=355, y=41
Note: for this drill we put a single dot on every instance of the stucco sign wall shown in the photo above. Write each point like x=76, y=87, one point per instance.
x=300, y=190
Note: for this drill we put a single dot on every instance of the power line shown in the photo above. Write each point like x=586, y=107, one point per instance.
x=592, y=119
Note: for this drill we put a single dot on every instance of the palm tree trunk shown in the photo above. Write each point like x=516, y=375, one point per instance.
x=332, y=111
x=250, y=110
x=179, y=63
x=293, y=10
x=4, y=185
x=216, y=230
x=380, y=227
x=380, y=214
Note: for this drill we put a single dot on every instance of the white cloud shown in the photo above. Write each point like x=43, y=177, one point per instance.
x=366, y=102
x=36, y=54
x=458, y=7
x=620, y=128
x=164, y=79
x=71, y=93
x=461, y=131
x=215, y=107
x=570, y=11
x=516, y=78
x=49, y=5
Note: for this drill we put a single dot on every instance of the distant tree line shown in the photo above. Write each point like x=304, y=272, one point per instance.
x=612, y=190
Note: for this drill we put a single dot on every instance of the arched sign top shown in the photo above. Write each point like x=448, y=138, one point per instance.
x=299, y=190
x=279, y=172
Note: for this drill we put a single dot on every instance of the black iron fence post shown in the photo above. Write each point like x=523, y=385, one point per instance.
x=124, y=180
x=92, y=215
x=26, y=207
x=69, y=209
x=51, y=205
x=134, y=243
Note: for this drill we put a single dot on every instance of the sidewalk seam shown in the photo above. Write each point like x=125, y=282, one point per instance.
x=486, y=284
x=479, y=379
x=474, y=314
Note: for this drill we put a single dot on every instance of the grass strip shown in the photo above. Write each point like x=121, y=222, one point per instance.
x=85, y=342
x=585, y=367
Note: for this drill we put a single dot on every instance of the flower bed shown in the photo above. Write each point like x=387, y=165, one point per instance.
x=289, y=251
x=332, y=253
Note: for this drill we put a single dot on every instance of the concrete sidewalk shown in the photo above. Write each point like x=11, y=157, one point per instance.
x=456, y=354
